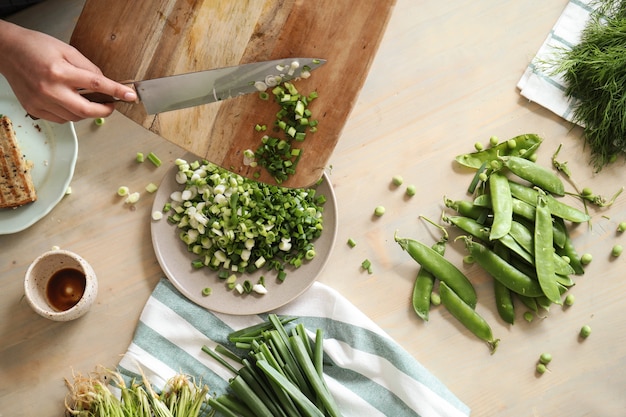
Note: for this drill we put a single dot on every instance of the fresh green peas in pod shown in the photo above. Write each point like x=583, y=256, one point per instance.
x=569, y=250
x=544, y=251
x=525, y=211
x=535, y=174
x=440, y=267
x=524, y=236
x=464, y=207
x=467, y=316
x=501, y=270
x=502, y=295
x=557, y=208
x=527, y=142
x=424, y=281
x=501, y=204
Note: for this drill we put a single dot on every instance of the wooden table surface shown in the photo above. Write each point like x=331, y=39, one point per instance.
x=444, y=78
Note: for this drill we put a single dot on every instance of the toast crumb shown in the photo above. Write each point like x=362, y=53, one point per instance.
x=16, y=183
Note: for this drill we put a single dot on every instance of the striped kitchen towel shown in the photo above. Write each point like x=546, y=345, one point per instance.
x=538, y=84
x=368, y=372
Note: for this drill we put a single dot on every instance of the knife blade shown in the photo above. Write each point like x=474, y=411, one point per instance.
x=180, y=91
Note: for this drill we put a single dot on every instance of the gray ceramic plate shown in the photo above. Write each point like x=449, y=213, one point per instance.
x=175, y=261
x=52, y=148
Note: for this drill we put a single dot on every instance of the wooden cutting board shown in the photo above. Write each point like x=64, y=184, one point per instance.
x=136, y=40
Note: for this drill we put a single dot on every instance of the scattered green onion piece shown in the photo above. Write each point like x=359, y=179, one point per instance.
x=206, y=291
x=132, y=198
x=152, y=187
x=122, y=191
x=154, y=159
x=140, y=157
x=367, y=265
x=99, y=121
x=351, y=242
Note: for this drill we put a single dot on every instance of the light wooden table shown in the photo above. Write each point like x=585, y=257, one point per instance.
x=443, y=79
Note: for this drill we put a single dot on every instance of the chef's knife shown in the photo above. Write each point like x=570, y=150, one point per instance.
x=175, y=92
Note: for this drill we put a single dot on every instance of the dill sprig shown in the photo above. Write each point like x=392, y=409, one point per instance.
x=594, y=72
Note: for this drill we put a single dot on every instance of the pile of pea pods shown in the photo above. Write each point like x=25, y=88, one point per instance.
x=514, y=227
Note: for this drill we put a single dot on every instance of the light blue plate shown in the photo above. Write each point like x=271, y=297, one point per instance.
x=52, y=148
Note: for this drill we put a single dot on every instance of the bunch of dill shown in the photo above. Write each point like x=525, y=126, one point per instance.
x=594, y=72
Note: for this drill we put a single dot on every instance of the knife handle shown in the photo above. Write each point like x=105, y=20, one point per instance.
x=95, y=97
x=102, y=98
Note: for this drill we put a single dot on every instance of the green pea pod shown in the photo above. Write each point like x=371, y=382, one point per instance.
x=502, y=295
x=501, y=270
x=466, y=314
x=535, y=174
x=504, y=302
x=570, y=251
x=557, y=208
x=523, y=144
x=564, y=280
x=481, y=232
x=525, y=211
x=529, y=302
x=544, y=251
x=471, y=226
x=440, y=267
x=423, y=287
x=525, y=237
x=501, y=204
x=464, y=208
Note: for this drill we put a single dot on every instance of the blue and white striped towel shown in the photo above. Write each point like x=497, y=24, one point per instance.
x=371, y=375
x=547, y=89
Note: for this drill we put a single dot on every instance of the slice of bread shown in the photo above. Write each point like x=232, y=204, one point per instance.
x=16, y=183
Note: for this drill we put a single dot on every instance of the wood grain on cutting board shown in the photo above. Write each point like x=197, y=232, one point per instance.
x=156, y=38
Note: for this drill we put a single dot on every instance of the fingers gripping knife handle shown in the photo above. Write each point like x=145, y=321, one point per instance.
x=95, y=97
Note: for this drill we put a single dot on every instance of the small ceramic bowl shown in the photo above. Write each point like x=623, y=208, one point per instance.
x=60, y=285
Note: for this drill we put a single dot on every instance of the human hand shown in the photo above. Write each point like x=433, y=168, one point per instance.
x=45, y=75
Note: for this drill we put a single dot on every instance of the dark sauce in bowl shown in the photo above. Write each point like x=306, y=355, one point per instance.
x=65, y=288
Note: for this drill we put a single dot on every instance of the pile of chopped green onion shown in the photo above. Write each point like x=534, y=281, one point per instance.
x=239, y=225
x=293, y=122
x=281, y=374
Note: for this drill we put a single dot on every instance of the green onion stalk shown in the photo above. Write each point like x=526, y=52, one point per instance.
x=104, y=393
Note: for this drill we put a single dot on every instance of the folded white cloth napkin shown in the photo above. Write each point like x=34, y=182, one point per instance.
x=546, y=89
x=369, y=375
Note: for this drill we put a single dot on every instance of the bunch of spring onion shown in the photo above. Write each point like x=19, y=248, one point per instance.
x=105, y=394
x=239, y=225
x=282, y=374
